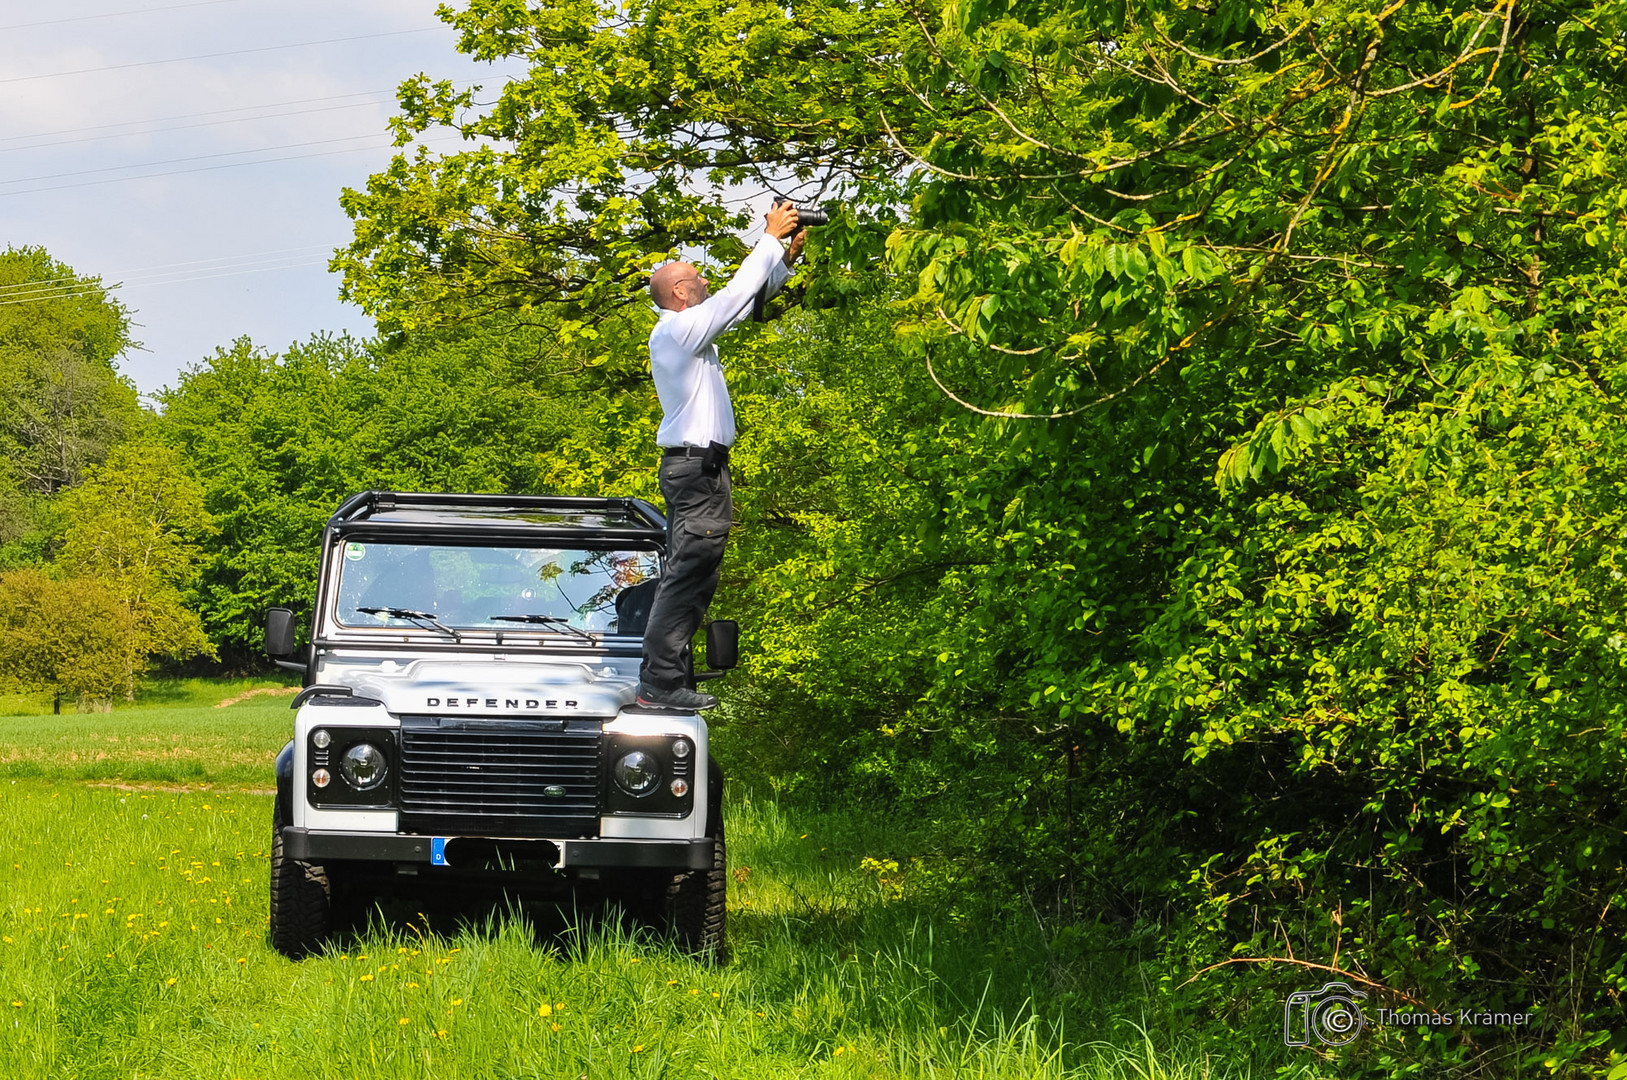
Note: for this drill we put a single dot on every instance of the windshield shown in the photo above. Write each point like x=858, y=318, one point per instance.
x=535, y=589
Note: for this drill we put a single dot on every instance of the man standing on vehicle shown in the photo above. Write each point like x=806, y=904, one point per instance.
x=696, y=432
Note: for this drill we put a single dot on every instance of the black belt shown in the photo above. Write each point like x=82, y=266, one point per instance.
x=689, y=451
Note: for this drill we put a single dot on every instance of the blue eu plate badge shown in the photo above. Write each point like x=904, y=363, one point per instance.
x=437, y=851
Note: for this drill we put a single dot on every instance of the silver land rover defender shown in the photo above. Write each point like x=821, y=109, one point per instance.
x=467, y=719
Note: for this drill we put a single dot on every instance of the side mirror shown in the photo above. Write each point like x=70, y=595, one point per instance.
x=722, y=644
x=279, y=632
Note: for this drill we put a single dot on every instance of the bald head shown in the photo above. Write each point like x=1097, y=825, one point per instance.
x=676, y=286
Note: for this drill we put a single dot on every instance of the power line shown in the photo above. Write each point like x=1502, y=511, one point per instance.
x=164, y=268
x=66, y=294
x=186, y=127
x=212, y=56
x=117, y=14
x=217, y=112
x=194, y=157
x=209, y=168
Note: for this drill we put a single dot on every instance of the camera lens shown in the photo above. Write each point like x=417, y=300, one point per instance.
x=812, y=217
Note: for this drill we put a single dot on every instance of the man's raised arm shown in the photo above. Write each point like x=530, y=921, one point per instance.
x=697, y=327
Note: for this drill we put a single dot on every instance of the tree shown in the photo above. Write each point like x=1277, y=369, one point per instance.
x=279, y=440
x=1287, y=345
x=65, y=402
x=134, y=527
x=66, y=635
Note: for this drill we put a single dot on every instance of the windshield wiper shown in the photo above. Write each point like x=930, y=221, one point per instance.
x=423, y=619
x=547, y=620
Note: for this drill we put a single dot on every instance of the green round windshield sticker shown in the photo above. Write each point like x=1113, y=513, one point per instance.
x=355, y=551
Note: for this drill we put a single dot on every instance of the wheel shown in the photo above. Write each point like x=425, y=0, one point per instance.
x=301, y=897
x=695, y=911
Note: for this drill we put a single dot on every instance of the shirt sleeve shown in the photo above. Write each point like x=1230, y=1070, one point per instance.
x=697, y=327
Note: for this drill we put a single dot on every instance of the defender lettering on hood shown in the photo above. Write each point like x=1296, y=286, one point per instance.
x=492, y=703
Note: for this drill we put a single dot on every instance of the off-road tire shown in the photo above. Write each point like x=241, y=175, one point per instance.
x=695, y=911
x=301, y=897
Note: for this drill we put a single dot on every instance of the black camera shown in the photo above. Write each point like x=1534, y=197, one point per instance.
x=816, y=216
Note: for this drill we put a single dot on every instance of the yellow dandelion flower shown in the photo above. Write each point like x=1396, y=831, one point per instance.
x=16, y=1004
x=242, y=959
x=170, y=982
x=559, y=1006
x=716, y=995
x=367, y=978
x=672, y=982
x=109, y=911
x=440, y=1033
x=694, y=991
x=412, y=986
x=403, y=1020
x=545, y=1009
x=553, y=1027
x=457, y=1002
x=639, y=1049
x=838, y=1051
x=7, y=940
x=633, y=960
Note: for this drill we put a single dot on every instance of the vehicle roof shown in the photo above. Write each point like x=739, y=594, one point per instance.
x=445, y=513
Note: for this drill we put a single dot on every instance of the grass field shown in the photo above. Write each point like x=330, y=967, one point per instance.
x=133, y=876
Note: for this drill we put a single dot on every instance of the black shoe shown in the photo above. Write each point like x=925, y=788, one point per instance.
x=678, y=699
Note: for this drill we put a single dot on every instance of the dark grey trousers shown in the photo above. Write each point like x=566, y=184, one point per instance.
x=699, y=511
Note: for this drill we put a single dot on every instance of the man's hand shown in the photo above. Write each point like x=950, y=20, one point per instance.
x=782, y=220
x=795, y=249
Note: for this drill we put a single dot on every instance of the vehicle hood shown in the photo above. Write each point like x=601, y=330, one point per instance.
x=509, y=688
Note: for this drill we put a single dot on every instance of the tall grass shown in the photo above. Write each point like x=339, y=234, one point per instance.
x=133, y=944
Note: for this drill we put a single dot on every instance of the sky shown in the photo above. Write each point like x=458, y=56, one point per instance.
x=195, y=150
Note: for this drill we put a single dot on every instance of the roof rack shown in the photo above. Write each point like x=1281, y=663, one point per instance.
x=637, y=518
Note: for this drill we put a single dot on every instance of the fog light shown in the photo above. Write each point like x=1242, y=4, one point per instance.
x=637, y=773
x=680, y=788
x=363, y=766
x=321, y=778
x=321, y=739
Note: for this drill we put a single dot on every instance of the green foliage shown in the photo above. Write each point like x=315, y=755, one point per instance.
x=64, y=636
x=134, y=527
x=64, y=401
x=63, y=404
x=1231, y=518
x=279, y=441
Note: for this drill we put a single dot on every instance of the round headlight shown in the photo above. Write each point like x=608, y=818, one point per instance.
x=637, y=773
x=363, y=766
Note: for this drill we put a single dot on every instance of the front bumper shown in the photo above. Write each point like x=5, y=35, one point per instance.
x=307, y=846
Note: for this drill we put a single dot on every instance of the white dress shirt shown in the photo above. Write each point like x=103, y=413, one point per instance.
x=695, y=407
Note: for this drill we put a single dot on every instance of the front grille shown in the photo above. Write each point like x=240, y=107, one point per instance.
x=467, y=776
